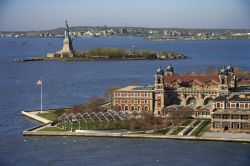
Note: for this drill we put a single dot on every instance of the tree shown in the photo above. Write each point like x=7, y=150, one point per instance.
x=109, y=92
x=179, y=114
x=92, y=105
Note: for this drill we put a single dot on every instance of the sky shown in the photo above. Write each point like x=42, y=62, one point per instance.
x=23, y=15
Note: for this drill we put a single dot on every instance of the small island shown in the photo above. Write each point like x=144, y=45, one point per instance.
x=67, y=53
x=101, y=54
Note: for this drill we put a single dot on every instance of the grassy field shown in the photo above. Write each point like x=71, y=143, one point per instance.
x=53, y=114
x=198, y=130
x=186, y=122
x=115, y=54
x=161, y=132
x=179, y=129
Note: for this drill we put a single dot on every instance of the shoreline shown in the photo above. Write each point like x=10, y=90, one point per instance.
x=45, y=122
x=43, y=58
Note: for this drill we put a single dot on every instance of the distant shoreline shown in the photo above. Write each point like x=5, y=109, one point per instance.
x=44, y=58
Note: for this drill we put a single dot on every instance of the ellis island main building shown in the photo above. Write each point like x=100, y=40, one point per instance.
x=223, y=97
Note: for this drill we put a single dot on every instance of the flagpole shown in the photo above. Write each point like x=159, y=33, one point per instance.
x=41, y=94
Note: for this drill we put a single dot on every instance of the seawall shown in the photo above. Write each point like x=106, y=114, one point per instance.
x=130, y=135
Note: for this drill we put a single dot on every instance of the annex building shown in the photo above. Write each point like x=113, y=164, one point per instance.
x=223, y=98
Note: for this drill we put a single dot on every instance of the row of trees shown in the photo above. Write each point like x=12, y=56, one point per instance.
x=120, y=53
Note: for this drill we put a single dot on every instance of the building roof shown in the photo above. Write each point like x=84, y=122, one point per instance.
x=220, y=98
x=193, y=77
x=243, y=83
x=136, y=88
x=239, y=98
x=235, y=98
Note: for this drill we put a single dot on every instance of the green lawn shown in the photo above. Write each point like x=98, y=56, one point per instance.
x=51, y=129
x=97, y=125
x=53, y=114
x=200, y=128
x=179, y=129
x=186, y=122
x=161, y=132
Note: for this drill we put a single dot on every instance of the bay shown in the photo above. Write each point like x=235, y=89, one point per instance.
x=69, y=83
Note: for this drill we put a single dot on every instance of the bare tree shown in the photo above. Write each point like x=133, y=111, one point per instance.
x=179, y=114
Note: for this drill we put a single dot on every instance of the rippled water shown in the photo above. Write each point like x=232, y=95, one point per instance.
x=69, y=83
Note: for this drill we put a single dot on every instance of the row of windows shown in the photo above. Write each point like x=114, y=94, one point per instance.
x=232, y=125
x=233, y=105
x=232, y=116
x=195, y=92
x=132, y=108
x=123, y=101
x=135, y=94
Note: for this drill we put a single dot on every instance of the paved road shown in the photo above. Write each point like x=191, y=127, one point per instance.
x=226, y=135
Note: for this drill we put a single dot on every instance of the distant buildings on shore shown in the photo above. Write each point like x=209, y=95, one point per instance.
x=223, y=98
x=149, y=33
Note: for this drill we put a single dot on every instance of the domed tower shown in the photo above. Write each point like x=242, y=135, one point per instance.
x=159, y=91
x=223, y=77
x=230, y=70
x=169, y=70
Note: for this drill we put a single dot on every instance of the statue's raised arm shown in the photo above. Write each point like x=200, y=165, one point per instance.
x=67, y=27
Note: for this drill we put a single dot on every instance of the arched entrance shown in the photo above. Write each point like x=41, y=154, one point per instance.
x=175, y=101
x=126, y=108
x=132, y=108
x=139, y=108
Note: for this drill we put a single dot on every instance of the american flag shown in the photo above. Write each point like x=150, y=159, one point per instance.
x=39, y=82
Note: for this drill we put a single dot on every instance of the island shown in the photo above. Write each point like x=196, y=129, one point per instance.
x=159, y=111
x=105, y=54
x=67, y=53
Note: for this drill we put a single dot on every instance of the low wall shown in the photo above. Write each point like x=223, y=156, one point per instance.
x=130, y=135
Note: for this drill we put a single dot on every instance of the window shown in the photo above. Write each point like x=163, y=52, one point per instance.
x=126, y=108
x=237, y=105
x=245, y=125
x=241, y=105
x=218, y=105
x=225, y=116
x=235, y=116
x=232, y=105
x=244, y=117
x=146, y=108
x=235, y=125
x=132, y=108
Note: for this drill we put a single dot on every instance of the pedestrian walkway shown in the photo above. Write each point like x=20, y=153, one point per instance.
x=190, y=125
